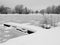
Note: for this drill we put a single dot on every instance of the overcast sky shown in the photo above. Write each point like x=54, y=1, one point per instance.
x=34, y=4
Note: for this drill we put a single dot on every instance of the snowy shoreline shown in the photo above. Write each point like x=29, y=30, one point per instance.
x=41, y=33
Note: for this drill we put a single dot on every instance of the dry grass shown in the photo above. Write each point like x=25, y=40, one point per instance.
x=32, y=18
x=20, y=18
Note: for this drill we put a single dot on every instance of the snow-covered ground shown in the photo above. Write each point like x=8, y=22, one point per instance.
x=41, y=37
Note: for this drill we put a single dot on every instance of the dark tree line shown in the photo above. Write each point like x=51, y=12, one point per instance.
x=51, y=10
x=19, y=9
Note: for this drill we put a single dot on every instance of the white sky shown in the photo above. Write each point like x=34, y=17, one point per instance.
x=34, y=4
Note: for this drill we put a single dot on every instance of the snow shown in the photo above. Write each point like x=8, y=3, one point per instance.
x=41, y=37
